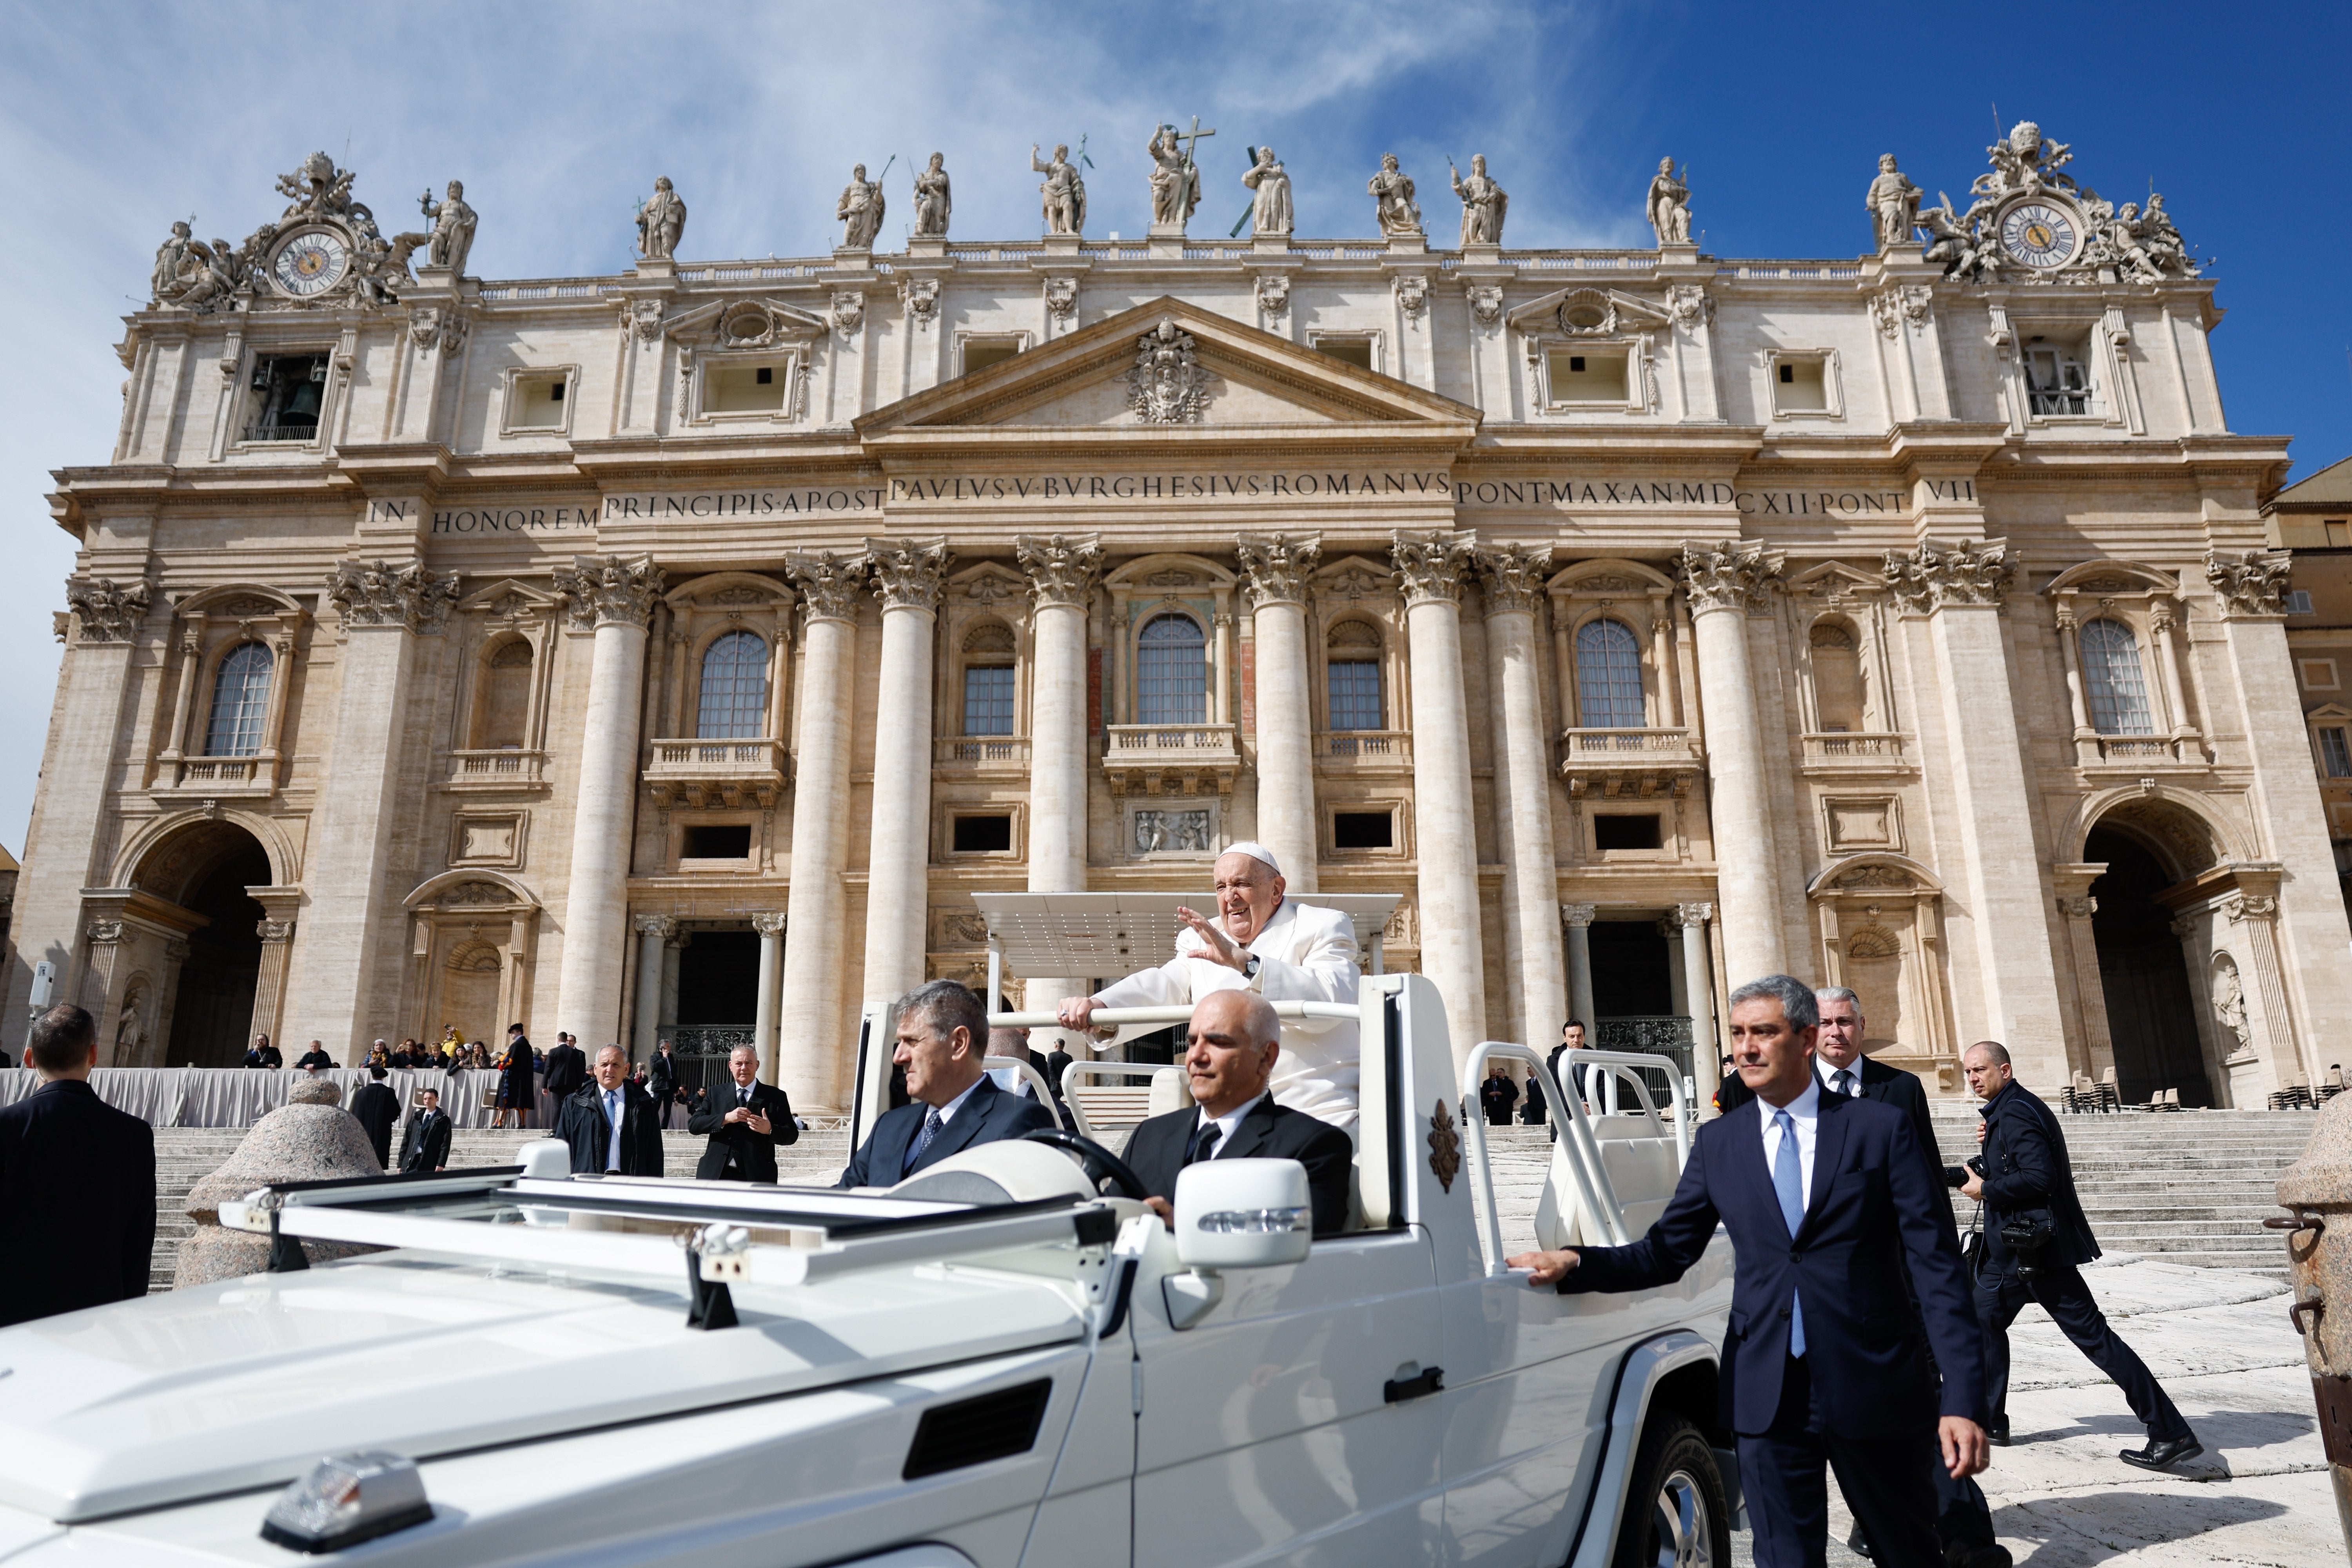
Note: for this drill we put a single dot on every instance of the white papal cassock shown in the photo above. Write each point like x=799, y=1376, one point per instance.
x=1305, y=954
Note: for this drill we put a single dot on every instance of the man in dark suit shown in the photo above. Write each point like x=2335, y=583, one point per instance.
x=377, y=1108
x=566, y=1071
x=425, y=1143
x=1230, y=1047
x=264, y=1053
x=2028, y=1179
x=1498, y=1095
x=1826, y=1199
x=76, y=1183
x=745, y=1119
x=661, y=1081
x=315, y=1060
x=609, y=1124
x=951, y=1102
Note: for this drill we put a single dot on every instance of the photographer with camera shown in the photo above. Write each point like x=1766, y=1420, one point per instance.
x=2035, y=1241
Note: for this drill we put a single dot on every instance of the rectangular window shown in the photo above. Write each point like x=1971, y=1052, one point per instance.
x=1357, y=352
x=1800, y=386
x=2319, y=674
x=978, y=354
x=2057, y=379
x=2298, y=602
x=983, y=835
x=1596, y=375
x=743, y=389
x=2339, y=532
x=1355, y=694
x=988, y=700
x=537, y=404
x=1363, y=830
x=717, y=841
x=1617, y=832
x=2335, y=753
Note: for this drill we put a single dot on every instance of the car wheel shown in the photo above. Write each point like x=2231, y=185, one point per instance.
x=1675, y=1516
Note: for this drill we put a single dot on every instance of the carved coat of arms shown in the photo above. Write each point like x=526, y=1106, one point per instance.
x=1444, y=1147
x=1167, y=385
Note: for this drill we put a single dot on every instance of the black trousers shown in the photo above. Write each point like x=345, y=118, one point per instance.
x=2062, y=1293
x=1885, y=1480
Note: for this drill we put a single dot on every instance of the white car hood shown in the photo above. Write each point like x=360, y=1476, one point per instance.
x=248, y=1381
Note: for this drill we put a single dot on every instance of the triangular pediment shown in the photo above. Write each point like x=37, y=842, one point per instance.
x=1202, y=370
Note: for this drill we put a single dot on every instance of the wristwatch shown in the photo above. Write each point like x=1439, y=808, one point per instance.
x=1250, y=967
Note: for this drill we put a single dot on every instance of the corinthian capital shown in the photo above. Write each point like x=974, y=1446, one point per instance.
x=1933, y=576
x=1430, y=566
x=1513, y=577
x=2254, y=583
x=661, y=926
x=392, y=593
x=606, y=590
x=828, y=585
x=108, y=611
x=1277, y=566
x=1729, y=575
x=906, y=574
x=1062, y=568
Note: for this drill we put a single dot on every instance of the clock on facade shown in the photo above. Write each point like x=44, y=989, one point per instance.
x=2039, y=235
x=311, y=262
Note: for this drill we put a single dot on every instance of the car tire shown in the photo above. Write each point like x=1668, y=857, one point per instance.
x=1675, y=1512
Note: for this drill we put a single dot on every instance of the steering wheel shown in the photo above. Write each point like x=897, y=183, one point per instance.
x=1100, y=1164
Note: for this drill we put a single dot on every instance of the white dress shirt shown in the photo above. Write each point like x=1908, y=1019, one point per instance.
x=947, y=1112
x=1805, y=1114
x=616, y=1106
x=1228, y=1124
x=1826, y=1072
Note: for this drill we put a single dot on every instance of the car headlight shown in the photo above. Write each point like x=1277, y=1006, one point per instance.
x=347, y=1498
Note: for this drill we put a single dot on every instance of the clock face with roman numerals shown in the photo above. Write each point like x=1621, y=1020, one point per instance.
x=2039, y=235
x=311, y=263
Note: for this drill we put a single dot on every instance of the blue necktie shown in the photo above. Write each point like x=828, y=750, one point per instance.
x=922, y=1140
x=1788, y=1184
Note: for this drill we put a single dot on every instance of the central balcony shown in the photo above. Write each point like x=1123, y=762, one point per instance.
x=1171, y=759
x=1627, y=762
x=1838, y=752
x=981, y=753
x=717, y=773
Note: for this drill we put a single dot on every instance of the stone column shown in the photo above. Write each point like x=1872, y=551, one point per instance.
x=653, y=932
x=1961, y=590
x=616, y=598
x=85, y=734
x=337, y=991
x=2075, y=906
x=899, y=856
x=2308, y=928
x=1277, y=569
x=817, y=1039
x=1063, y=571
x=1452, y=943
x=277, y=929
x=1728, y=582
x=1578, y=919
x=771, y=924
x=1512, y=579
x=1698, y=985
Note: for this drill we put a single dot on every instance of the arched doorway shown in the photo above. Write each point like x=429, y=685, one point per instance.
x=2143, y=974
x=205, y=869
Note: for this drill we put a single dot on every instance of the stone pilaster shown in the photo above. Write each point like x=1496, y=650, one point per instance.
x=906, y=577
x=616, y=597
x=2070, y=886
x=1577, y=920
x=1063, y=571
x=334, y=990
x=1431, y=568
x=816, y=1036
x=276, y=928
x=1962, y=589
x=1277, y=569
x=1726, y=583
x=1512, y=579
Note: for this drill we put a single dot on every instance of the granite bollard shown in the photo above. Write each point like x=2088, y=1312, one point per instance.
x=311, y=1138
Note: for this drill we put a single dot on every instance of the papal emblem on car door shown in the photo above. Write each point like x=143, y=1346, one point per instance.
x=1444, y=1147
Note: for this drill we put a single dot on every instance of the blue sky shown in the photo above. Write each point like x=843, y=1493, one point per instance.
x=120, y=118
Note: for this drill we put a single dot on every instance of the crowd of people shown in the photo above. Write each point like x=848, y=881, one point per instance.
x=1865, y=1341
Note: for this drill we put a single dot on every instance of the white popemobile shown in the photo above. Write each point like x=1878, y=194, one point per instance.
x=988, y=1364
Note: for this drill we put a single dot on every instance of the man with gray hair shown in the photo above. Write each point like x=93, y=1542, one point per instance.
x=611, y=1124
x=952, y=1103
x=745, y=1119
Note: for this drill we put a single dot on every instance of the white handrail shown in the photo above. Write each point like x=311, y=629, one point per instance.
x=1044, y=1088
x=1616, y=1062
x=1577, y=1141
x=1071, y=1074
x=1119, y=1017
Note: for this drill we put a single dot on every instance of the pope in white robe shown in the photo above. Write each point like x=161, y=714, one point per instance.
x=1258, y=941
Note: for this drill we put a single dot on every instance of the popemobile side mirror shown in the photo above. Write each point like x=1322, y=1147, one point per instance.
x=1243, y=1213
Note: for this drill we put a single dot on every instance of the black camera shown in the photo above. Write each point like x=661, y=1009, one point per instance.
x=1956, y=1176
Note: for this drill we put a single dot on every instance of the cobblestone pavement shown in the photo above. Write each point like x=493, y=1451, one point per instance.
x=2219, y=1343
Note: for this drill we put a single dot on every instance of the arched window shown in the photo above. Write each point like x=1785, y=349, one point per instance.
x=1838, y=692
x=1608, y=677
x=734, y=704
x=1171, y=677
x=2112, y=681
x=1354, y=663
x=240, y=701
x=502, y=707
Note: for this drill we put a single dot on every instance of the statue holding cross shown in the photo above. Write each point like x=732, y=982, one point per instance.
x=1175, y=177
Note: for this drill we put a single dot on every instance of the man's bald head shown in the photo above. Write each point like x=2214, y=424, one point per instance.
x=1230, y=1045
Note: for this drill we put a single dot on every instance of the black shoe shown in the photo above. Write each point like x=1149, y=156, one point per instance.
x=1997, y=1434
x=1979, y=1557
x=1857, y=1543
x=2164, y=1454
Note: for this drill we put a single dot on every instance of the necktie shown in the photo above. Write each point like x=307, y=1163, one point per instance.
x=1789, y=1186
x=923, y=1139
x=1841, y=1080
x=1204, y=1143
